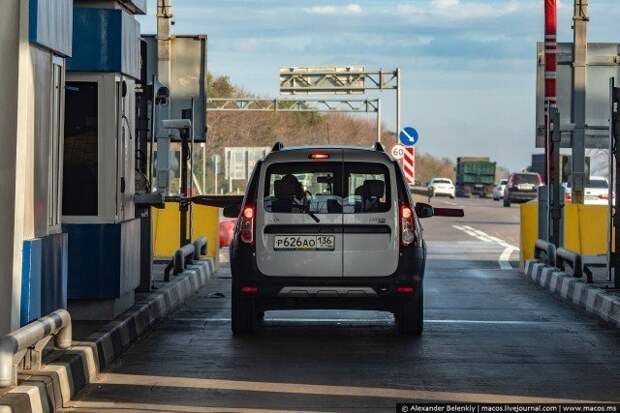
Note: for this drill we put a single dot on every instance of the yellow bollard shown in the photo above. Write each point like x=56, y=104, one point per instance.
x=586, y=228
x=205, y=222
x=528, y=232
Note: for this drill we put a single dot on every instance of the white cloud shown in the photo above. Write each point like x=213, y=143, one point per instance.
x=349, y=9
x=460, y=9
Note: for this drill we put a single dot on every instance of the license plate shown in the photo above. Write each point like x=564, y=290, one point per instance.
x=525, y=187
x=304, y=242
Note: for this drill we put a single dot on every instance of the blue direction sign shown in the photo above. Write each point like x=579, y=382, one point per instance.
x=409, y=136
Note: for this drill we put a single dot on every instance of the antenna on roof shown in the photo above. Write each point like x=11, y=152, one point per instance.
x=378, y=146
x=277, y=147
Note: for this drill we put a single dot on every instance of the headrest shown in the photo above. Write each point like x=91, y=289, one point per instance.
x=373, y=188
x=288, y=188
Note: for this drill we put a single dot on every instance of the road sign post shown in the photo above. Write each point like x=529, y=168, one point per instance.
x=409, y=165
x=398, y=152
x=408, y=136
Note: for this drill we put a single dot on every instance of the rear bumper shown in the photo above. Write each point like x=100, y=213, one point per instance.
x=522, y=196
x=383, y=295
x=446, y=192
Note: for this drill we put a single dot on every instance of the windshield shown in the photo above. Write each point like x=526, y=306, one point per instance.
x=327, y=188
x=526, y=179
x=442, y=181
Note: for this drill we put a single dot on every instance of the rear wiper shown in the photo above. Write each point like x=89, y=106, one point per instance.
x=306, y=209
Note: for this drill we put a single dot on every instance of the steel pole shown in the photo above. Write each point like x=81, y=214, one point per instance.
x=398, y=91
x=554, y=191
x=378, y=120
x=551, y=47
x=580, y=54
x=204, y=168
x=216, y=170
x=614, y=135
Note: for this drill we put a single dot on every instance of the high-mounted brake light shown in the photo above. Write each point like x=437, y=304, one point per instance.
x=247, y=224
x=407, y=226
x=319, y=156
x=249, y=289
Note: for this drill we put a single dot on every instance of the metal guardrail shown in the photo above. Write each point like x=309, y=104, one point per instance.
x=200, y=248
x=545, y=251
x=564, y=258
x=24, y=347
x=182, y=257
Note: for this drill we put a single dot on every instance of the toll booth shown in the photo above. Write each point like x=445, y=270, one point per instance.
x=44, y=248
x=98, y=211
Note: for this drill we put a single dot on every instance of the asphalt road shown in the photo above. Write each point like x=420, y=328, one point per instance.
x=489, y=336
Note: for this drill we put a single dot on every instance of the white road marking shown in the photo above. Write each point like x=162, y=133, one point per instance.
x=313, y=389
x=509, y=249
x=468, y=231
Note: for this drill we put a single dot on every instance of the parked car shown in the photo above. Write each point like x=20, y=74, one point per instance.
x=596, y=191
x=441, y=186
x=498, y=191
x=226, y=231
x=328, y=228
x=521, y=187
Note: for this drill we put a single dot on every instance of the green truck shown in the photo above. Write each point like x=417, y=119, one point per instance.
x=475, y=175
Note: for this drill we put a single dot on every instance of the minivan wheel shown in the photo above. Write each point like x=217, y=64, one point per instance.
x=410, y=316
x=243, y=315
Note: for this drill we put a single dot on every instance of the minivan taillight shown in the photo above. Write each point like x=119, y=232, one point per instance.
x=407, y=226
x=246, y=224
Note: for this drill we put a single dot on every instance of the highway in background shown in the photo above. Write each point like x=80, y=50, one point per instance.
x=490, y=335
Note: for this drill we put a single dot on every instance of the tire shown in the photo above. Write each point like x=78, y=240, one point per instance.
x=243, y=315
x=410, y=316
x=506, y=202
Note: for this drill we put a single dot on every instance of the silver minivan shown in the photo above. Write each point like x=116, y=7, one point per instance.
x=328, y=227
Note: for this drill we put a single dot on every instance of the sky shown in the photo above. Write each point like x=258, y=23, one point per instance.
x=468, y=66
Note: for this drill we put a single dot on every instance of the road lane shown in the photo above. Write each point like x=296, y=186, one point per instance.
x=489, y=335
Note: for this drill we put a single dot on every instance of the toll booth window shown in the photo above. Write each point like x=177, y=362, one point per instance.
x=367, y=188
x=80, y=177
x=304, y=187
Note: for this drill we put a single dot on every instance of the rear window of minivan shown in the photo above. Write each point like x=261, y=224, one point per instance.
x=327, y=188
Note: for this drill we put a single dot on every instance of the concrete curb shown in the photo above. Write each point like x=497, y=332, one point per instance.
x=592, y=299
x=67, y=372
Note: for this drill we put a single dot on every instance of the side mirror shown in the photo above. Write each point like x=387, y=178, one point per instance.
x=232, y=211
x=449, y=212
x=423, y=210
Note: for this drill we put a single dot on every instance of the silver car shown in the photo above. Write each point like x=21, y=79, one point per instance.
x=328, y=228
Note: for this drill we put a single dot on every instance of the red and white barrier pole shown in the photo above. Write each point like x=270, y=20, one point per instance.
x=551, y=63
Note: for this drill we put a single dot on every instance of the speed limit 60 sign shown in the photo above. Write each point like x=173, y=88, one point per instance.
x=398, y=151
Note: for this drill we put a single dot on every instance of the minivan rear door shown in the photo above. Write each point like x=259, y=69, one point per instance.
x=299, y=214
x=370, y=217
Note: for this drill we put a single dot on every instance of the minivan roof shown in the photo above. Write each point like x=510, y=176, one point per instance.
x=362, y=152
